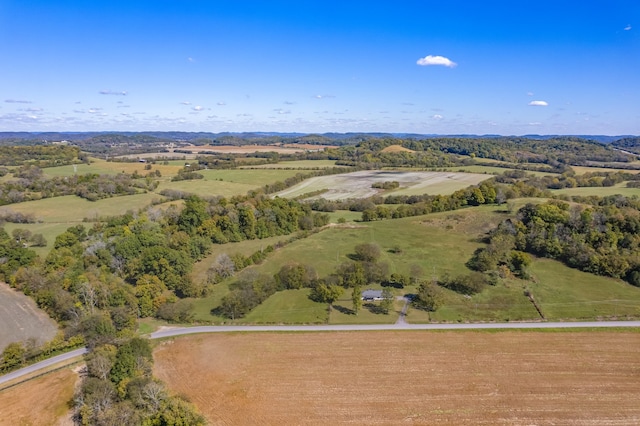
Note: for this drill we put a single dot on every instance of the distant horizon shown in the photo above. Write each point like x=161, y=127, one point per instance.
x=302, y=133
x=421, y=67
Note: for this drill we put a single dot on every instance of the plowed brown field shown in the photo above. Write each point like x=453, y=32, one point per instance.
x=41, y=401
x=365, y=378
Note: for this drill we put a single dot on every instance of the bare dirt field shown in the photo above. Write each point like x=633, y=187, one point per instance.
x=358, y=184
x=21, y=319
x=41, y=401
x=457, y=378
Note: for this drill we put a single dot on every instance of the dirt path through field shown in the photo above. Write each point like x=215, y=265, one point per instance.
x=408, y=377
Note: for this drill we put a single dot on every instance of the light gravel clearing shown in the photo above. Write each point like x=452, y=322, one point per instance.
x=358, y=184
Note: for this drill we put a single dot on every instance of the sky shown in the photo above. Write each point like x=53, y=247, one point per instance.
x=403, y=66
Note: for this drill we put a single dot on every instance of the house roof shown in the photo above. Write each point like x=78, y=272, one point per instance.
x=372, y=294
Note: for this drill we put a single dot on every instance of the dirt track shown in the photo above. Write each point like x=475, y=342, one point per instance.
x=408, y=377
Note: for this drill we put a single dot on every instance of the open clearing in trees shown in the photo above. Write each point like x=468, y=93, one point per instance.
x=358, y=184
x=514, y=377
x=20, y=319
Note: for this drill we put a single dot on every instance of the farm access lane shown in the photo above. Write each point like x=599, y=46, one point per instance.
x=179, y=331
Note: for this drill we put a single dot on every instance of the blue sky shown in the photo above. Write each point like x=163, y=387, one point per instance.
x=446, y=67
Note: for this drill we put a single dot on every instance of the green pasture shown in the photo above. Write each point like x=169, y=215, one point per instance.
x=294, y=305
x=206, y=188
x=111, y=168
x=580, y=170
x=601, y=191
x=71, y=209
x=347, y=215
x=49, y=230
x=299, y=164
x=246, y=248
x=503, y=302
x=566, y=293
x=228, y=183
x=437, y=244
x=256, y=177
x=491, y=170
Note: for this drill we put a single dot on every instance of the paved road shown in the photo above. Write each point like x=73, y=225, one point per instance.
x=42, y=364
x=179, y=331
x=369, y=327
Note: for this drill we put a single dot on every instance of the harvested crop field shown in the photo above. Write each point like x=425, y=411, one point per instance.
x=20, y=319
x=358, y=184
x=42, y=401
x=406, y=377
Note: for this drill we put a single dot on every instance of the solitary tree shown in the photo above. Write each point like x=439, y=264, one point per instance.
x=368, y=252
x=356, y=298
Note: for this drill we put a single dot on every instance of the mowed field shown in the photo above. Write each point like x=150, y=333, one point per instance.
x=41, y=401
x=20, y=319
x=358, y=184
x=408, y=377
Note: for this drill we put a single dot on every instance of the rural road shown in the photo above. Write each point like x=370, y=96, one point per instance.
x=42, y=364
x=179, y=331
x=171, y=332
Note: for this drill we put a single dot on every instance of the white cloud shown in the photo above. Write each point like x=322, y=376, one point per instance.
x=437, y=117
x=538, y=103
x=529, y=93
x=323, y=96
x=221, y=103
x=113, y=92
x=627, y=28
x=185, y=103
x=17, y=101
x=436, y=60
x=198, y=108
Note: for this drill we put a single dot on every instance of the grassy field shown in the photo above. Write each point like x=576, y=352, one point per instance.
x=580, y=170
x=492, y=170
x=71, y=209
x=358, y=184
x=22, y=320
x=566, y=293
x=228, y=183
x=601, y=191
x=246, y=248
x=48, y=230
x=436, y=244
x=300, y=164
x=407, y=377
x=112, y=167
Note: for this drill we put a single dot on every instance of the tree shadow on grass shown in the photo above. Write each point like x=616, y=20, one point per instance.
x=344, y=310
x=375, y=309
